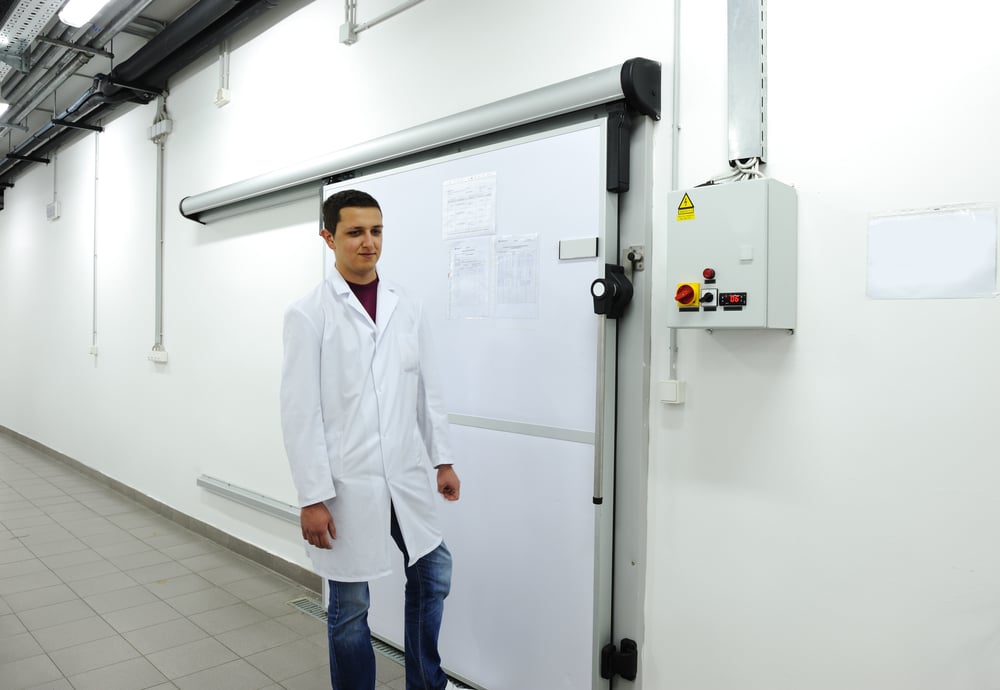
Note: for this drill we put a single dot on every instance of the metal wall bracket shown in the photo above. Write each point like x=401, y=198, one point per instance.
x=72, y=46
x=636, y=255
x=22, y=63
x=76, y=125
x=29, y=159
x=624, y=663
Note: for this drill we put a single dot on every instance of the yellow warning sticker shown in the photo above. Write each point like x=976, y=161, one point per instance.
x=686, y=209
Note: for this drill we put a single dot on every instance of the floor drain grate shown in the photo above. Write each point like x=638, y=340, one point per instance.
x=389, y=651
x=310, y=607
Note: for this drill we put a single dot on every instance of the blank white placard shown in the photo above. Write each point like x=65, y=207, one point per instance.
x=933, y=254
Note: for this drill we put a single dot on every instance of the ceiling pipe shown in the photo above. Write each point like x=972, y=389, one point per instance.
x=147, y=70
x=39, y=83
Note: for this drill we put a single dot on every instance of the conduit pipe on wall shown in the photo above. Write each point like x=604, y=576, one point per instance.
x=637, y=81
x=350, y=30
x=675, y=157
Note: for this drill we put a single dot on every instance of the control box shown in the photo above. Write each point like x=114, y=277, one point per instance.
x=732, y=255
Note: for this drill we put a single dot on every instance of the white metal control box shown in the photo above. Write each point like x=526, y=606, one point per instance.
x=732, y=255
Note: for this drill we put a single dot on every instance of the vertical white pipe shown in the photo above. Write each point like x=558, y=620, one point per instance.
x=675, y=153
x=158, y=326
x=97, y=159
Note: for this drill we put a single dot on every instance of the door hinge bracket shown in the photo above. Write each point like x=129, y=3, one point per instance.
x=624, y=663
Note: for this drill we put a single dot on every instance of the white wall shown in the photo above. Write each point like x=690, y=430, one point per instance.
x=840, y=531
x=839, y=534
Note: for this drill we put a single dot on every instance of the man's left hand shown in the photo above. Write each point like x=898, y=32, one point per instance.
x=448, y=484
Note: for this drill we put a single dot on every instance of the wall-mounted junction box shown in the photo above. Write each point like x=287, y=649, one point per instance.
x=732, y=255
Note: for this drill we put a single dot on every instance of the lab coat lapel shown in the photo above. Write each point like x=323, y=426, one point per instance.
x=386, y=305
x=341, y=288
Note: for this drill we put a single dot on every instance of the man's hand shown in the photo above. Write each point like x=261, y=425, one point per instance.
x=317, y=525
x=448, y=484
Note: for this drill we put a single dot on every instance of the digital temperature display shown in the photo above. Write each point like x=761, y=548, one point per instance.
x=732, y=299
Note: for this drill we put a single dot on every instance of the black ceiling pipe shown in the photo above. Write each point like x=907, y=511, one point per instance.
x=211, y=37
x=164, y=44
x=106, y=92
x=176, y=34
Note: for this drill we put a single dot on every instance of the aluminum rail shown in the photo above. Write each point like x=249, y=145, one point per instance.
x=637, y=81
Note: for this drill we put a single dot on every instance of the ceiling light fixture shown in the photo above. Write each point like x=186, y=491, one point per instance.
x=79, y=12
x=4, y=105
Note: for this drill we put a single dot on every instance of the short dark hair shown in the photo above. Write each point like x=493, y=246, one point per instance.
x=348, y=198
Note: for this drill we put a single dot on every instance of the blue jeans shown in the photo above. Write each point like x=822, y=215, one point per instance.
x=352, y=659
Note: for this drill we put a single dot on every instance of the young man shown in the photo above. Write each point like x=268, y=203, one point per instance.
x=361, y=418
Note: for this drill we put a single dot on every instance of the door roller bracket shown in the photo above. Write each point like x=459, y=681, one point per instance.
x=624, y=663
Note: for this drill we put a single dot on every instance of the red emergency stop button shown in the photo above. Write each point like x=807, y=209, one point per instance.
x=685, y=294
x=708, y=273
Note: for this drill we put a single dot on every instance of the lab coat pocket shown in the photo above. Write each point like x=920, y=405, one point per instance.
x=409, y=354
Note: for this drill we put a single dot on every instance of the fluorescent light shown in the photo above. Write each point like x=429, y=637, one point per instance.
x=3, y=107
x=79, y=12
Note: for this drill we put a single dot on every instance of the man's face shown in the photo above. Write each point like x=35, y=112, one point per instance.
x=356, y=243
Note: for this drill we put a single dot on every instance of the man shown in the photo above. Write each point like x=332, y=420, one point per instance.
x=361, y=418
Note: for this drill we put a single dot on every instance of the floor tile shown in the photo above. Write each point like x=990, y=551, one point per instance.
x=227, y=618
x=31, y=517
x=257, y=586
x=93, y=655
x=203, y=600
x=235, y=675
x=107, y=602
x=160, y=571
x=63, y=545
x=257, y=637
x=140, y=559
x=75, y=557
x=25, y=583
x=107, y=583
x=173, y=633
x=231, y=573
x=210, y=561
x=16, y=554
x=85, y=571
x=110, y=536
x=386, y=669
x=191, y=657
x=74, y=633
x=276, y=604
x=55, y=614
x=290, y=660
x=10, y=625
x=191, y=548
x=28, y=673
x=176, y=586
x=141, y=616
x=17, y=647
x=44, y=596
x=18, y=568
x=123, y=548
x=315, y=679
x=301, y=623
x=134, y=674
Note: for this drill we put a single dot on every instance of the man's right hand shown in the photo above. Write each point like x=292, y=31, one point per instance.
x=317, y=525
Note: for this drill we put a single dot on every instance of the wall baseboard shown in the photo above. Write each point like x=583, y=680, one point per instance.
x=292, y=571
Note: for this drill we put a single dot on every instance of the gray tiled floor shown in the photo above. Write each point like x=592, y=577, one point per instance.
x=99, y=592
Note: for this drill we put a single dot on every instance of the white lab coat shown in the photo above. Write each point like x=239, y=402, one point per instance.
x=362, y=425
